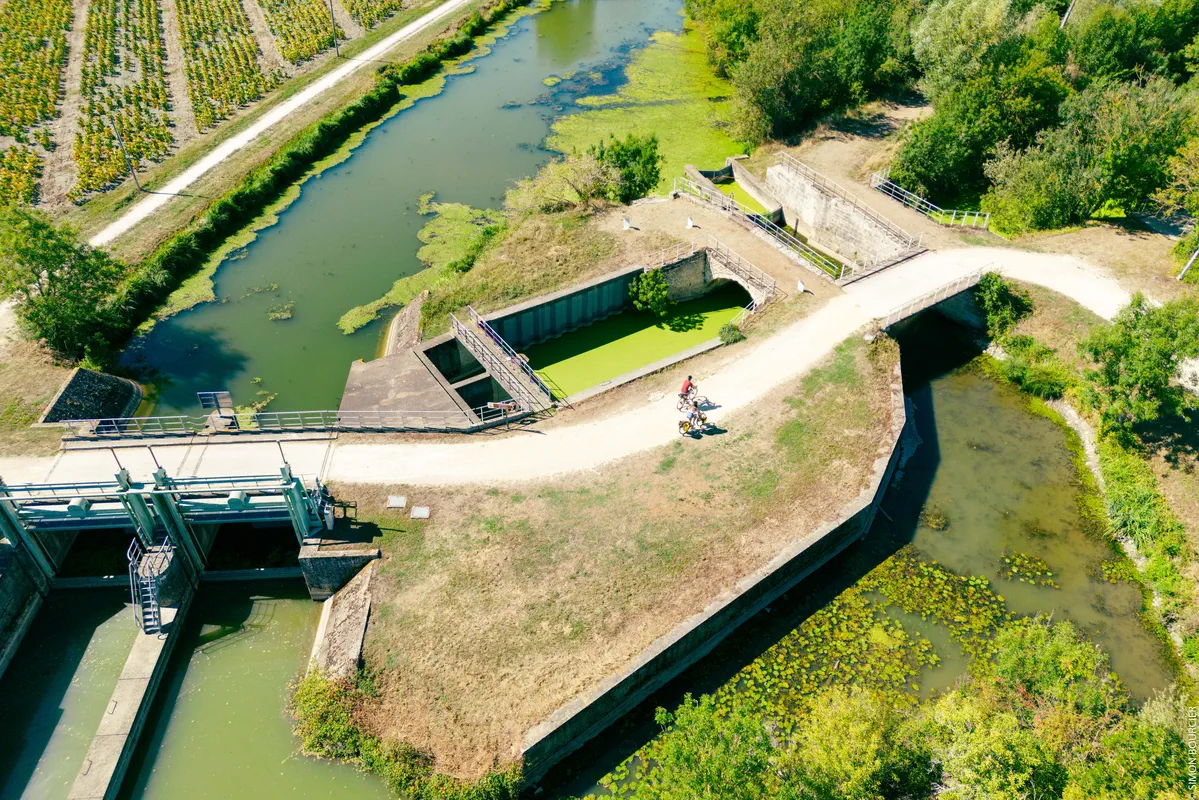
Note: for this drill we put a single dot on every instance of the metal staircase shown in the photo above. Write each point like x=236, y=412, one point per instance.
x=146, y=569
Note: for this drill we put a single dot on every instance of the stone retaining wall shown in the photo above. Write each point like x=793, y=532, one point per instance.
x=93, y=395
x=583, y=718
x=833, y=222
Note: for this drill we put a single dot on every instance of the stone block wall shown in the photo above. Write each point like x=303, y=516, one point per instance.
x=689, y=278
x=834, y=223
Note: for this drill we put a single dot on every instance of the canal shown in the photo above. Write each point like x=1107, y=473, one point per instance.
x=353, y=230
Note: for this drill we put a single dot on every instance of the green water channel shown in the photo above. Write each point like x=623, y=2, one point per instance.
x=1006, y=481
x=353, y=231
x=56, y=688
x=219, y=726
x=632, y=339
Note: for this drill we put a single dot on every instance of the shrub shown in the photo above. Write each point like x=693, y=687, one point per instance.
x=649, y=292
x=635, y=163
x=1035, y=368
x=1003, y=304
x=731, y=334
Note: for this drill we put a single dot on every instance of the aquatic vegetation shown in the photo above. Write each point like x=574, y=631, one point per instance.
x=280, y=312
x=965, y=604
x=671, y=93
x=1016, y=566
x=934, y=517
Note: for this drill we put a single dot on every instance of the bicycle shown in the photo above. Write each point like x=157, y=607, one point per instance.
x=685, y=400
x=686, y=426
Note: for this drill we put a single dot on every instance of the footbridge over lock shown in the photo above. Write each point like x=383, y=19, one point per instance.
x=171, y=510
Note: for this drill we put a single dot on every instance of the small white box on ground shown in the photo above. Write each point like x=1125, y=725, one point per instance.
x=419, y=512
x=397, y=501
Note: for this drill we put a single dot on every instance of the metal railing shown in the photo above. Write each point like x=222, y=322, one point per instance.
x=744, y=314
x=1194, y=256
x=950, y=218
x=928, y=299
x=818, y=261
x=495, y=363
x=790, y=162
x=732, y=261
x=672, y=255
x=512, y=355
x=288, y=422
x=145, y=570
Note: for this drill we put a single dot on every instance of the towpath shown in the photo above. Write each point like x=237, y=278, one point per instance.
x=537, y=455
x=370, y=57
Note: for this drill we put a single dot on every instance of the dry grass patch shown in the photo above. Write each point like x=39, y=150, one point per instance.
x=543, y=253
x=510, y=602
x=1058, y=322
x=29, y=380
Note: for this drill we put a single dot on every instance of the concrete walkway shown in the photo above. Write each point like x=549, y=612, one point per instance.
x=368, y=58
x=536, y=455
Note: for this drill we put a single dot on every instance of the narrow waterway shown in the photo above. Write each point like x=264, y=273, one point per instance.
x=54, y=692
x=353, y=231
x=1004, y=481
x=219, y=726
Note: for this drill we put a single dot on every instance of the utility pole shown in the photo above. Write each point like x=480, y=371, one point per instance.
x=333, y=23
x=128, y=162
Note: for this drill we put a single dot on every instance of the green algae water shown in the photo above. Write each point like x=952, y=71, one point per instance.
x=219, y=726
x=990, y=485
x=353, y=230
x=630, y=340
x=56, y=688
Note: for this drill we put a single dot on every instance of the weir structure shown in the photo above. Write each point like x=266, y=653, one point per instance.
x=173, y=523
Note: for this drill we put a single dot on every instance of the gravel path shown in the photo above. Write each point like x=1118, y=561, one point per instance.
x=536, y=455
x=367, y=58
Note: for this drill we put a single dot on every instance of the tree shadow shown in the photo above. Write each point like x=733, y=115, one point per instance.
x=683, y=321
x=1175, y=436
x=180, y=361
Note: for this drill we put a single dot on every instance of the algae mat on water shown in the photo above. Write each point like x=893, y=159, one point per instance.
x=672, y=93
x=631, y=340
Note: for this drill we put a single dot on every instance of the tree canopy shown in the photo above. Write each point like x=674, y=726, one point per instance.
x=63, y=289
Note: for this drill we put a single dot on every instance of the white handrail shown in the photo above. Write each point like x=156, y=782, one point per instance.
x=1194, y=256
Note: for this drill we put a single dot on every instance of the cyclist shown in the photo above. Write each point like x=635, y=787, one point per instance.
x=695, y=416
x=688, y=390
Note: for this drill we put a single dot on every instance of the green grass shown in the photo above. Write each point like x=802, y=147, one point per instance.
x=631, y=340
x=672, y=93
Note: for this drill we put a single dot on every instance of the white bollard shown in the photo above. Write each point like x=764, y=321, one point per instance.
x=800, y=287
x=690, y=223
x=627, y=224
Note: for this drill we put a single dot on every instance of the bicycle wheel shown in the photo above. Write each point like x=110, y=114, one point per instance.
x=684, y=426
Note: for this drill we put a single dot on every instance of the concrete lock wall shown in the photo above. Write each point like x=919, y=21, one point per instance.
x=326, y=571
x=574, y=724
x=562, y=312
x=22, y=589
x=834, y=221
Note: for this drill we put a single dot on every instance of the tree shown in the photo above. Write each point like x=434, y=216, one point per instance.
x=578, y=179
x=649, y=292
x=983, y=751
x=1003, y=303
x=849, y=744
x=705, y=755
x=635, y=164
x=1114, y=147
x=1137, y=357
x=63, y=288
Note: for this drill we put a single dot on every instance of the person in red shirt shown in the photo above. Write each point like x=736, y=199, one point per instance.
x=688, y=388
